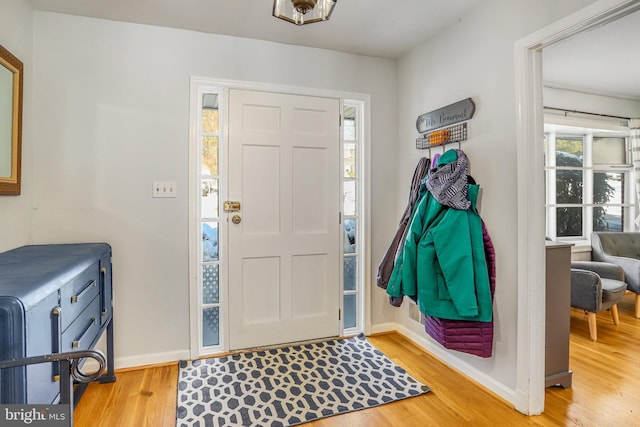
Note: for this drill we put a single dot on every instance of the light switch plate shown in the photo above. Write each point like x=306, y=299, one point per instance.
x=164, y=189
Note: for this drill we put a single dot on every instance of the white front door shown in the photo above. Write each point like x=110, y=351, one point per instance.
x=284, y=254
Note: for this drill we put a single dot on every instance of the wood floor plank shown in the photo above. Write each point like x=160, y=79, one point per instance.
x=606, y=388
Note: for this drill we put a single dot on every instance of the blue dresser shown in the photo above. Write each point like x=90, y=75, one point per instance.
x=53, y=299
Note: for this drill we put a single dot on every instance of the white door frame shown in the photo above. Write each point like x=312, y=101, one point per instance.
x=530, y=376
x=226, y=84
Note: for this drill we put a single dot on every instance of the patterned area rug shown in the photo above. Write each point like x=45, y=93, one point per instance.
x=289, y=386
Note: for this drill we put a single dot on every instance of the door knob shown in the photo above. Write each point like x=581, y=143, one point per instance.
x=236, y=219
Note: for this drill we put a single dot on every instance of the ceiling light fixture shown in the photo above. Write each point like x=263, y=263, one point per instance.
x=302, y=12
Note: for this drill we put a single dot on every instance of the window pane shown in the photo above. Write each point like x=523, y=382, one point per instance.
x=209, y=241
x=349, y=202
x=608, y=218
x=608, y=188
x=350, y=161
x=210, y=326
x=349, y=129
x=569, y=186
x=349, y=236
x=569, y=151
x=350, y=273
x=350, y=311
x=569, y=222
x=209, y=155
x=609, y=151
x=209, y=203
x=210, y=284
x=210, y=113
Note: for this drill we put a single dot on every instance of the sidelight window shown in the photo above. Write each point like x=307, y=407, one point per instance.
x=351, y=202
x=209, y=135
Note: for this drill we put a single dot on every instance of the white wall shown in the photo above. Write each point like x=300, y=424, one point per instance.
x=112, y=115
x=475, y=58
x=16, y=27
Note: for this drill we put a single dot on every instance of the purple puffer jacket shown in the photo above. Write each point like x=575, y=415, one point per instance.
x=466, y=336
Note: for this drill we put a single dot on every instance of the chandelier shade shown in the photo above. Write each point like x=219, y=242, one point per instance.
x=301, y=12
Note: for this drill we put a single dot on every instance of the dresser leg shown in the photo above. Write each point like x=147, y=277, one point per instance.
x=110, y=376
x=66, y=388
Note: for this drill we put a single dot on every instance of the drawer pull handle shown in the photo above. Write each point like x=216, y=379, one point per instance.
x=76, y=344
x=56, y=340
x=103, y=288
x=76, y=298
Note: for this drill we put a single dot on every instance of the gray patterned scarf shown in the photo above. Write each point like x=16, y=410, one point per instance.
x=448, y=183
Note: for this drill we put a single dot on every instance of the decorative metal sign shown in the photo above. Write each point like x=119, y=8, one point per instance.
x=445, y=116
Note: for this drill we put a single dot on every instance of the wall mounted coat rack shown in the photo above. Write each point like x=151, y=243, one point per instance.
x=443, y=126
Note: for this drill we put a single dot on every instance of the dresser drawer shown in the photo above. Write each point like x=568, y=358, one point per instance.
x=83, y=332
x=78, y=293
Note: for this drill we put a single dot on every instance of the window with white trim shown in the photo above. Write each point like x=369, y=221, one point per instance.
x=588, y=181
x=351, y=208
x=209, y=137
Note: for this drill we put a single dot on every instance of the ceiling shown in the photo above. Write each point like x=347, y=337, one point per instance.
x=368, y=27
x=604, y=60
x=598, y=61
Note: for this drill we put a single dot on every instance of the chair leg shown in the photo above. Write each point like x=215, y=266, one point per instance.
x=637, y=306
x=593, y=332
x=614, y=314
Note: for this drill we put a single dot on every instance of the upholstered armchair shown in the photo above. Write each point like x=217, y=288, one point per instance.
x=623, y=249
x=597, y=286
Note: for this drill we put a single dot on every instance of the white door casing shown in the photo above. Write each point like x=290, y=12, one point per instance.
x=284, y=255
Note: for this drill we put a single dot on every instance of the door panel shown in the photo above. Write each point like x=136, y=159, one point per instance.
x=309, y=276
x=309, y=200
x=284, y=254
x=260, y=190
x=261, y=290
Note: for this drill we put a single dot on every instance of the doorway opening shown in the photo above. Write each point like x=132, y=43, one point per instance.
x=530, y=380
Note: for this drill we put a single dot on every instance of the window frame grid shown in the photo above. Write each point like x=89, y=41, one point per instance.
x=201, y=134
x=588, y=170
x=358, y=254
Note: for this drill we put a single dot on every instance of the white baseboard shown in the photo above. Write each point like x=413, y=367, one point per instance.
x=151, y=359
x=384, y=327
x=141, y=360
x=454, y=362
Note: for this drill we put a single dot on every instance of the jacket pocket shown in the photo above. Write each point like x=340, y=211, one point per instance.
x=443, y=290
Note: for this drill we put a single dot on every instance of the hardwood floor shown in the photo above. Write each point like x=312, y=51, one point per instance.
x=606, y=388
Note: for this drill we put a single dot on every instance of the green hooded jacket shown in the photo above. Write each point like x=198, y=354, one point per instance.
x=442, y=265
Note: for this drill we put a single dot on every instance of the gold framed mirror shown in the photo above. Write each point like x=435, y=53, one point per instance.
x=11, y=69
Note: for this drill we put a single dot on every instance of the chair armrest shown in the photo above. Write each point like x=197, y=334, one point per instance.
x=586, y=290
x=631, y=267
x=606, y=270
